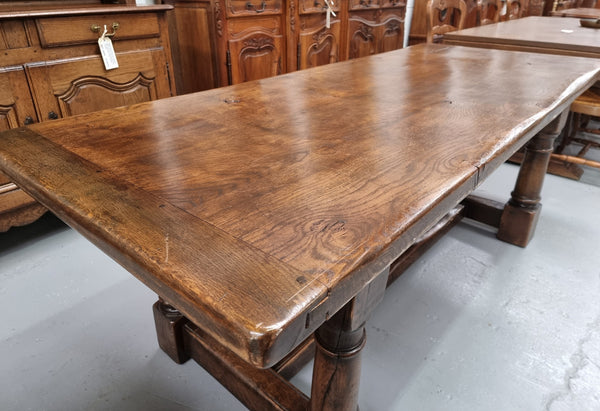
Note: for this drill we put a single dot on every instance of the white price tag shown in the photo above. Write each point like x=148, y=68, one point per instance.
x=108, y=52
x=329, y=12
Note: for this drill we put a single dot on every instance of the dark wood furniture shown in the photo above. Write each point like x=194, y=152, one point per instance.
x=580, y=13
x=275, y=212
x=218, y=43
x=51, y=68
x=444, y=16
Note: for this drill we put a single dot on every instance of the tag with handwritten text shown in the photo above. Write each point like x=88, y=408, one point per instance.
x=108, y=53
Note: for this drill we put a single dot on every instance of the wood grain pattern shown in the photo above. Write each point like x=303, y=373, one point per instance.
x=261, y=209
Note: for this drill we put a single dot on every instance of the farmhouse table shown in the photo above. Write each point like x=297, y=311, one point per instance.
x=580, y=13
x=533, y=33
x=547, y=35
x=269, y=212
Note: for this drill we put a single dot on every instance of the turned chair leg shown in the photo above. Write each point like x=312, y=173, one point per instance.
x=570, y=131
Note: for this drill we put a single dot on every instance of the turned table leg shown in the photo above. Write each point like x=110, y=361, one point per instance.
x=339, y=342
x=336, y=374
x=521, y=213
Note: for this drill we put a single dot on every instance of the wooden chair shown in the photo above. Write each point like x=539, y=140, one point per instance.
x=585, y=106
x=444, y=16
x=488, y=11
x=566, y=4
x=514, y=10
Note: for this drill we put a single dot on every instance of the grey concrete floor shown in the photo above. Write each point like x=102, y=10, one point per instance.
x=476, y=324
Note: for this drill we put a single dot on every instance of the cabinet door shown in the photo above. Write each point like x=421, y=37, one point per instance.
x=16, y=109
x=255, y=56
x=319, y=46
x=362, y=38
x=69, y=87
x=192, y=33
x=368, y=37
x=391, y=35
x=16, y=106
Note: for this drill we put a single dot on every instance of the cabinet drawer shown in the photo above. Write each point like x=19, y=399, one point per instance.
x=317, y=6
x=13, y=35
x=62, y=31
x=253, y=7
x=393, y=3
x=364, y=4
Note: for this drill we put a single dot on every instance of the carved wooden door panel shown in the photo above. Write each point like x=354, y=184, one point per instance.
x=16, y=110
x=362, y=38
x=255, y=56
x=391, y=35
x=16, y=105
x=319, y=46
x=61, y=90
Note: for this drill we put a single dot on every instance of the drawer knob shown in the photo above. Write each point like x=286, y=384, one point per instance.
x=52, y=115
x=96, y=29
x=28, y=120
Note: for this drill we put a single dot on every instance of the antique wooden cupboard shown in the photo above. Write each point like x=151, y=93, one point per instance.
x=50, y=67
x=221, y=42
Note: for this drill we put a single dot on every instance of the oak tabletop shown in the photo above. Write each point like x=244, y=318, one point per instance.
x=537, y=34
x=259, y=210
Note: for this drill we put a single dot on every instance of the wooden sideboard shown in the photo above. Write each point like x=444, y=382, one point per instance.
x=222, y=42
x=51, y=68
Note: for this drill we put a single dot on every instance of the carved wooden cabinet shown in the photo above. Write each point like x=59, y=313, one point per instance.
x=246, y=40
x=375, y=26
x=250, y=39
x=51, y=68
x=315, y=44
